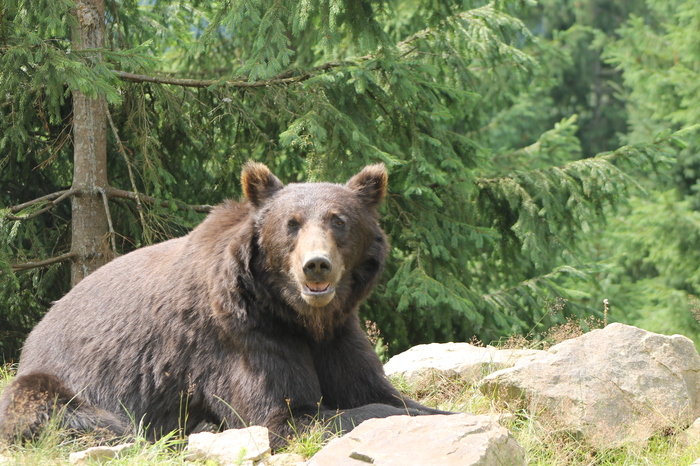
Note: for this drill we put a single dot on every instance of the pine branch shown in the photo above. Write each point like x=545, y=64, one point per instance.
x=33, y=265
x=284, y=78
x=481, y=230
x=536, y=281
x=120, y=193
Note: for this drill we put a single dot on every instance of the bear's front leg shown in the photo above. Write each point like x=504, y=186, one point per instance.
x=352, y=376
x=266, y=380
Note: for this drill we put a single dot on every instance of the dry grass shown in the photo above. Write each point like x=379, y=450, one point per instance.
x=572, y=328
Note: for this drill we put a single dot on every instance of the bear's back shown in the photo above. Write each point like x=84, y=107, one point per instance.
x=108, y=319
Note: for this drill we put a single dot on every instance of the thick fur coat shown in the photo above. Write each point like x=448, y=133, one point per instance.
x=249, y=319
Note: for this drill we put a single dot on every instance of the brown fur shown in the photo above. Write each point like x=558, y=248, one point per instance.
x=250, y=316
x=33, y=401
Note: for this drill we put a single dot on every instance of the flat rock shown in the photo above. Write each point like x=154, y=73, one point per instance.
x=233, y=446
x=98, y=454
x=612, y=386
x=468, y=362
x=458, y=439
x=284, y=459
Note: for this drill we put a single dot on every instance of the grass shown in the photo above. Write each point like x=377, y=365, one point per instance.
x=544, y=446
x=53, y=447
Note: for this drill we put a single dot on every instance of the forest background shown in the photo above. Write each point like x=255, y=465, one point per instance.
x=542, y=156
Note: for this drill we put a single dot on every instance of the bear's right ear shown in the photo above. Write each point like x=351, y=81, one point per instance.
x=258, y=182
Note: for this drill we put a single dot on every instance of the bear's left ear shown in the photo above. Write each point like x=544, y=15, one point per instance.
x=258, y=182
x=370, y=184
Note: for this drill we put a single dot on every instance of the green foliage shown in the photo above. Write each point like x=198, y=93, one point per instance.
x=659, y=60
x=580, y=81
x=489, y=199
x=650, y=246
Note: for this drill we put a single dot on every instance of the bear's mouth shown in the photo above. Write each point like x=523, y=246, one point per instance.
x=317, y=294
x=317, y=288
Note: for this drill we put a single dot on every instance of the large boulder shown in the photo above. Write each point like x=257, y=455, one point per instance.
x=611, y=386
x=468, y=362
x=459, y=439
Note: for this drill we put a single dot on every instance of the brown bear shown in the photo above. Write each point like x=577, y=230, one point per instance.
x=251, y=319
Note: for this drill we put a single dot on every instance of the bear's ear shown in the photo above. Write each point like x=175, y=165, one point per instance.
x=370, y=184
x=258, y=182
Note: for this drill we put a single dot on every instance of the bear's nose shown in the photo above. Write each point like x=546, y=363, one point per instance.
x=317, y=267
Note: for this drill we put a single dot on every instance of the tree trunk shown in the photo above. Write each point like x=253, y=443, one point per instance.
x=89, y=220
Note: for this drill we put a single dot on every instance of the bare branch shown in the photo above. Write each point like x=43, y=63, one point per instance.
x=32, y=215
x=241, y=82
x=109, y=220
x=144, y=226
x=115, y=192
x=33, y=265
x=201, y=83
x=50, y=199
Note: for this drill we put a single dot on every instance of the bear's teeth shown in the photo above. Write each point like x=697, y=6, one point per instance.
x=318, y=287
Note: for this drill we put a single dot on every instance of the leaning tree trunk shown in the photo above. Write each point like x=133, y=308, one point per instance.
x=89, y=219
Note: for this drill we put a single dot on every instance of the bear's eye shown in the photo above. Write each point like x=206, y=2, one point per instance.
x=338, y=222
x=292, y=224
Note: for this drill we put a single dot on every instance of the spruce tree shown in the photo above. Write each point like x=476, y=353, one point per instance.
x=653, y=274
x=484, y=229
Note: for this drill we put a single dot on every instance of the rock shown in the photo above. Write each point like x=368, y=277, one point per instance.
x=611, y=386
x=234, y=446
x=458, y=439
x=468, y=362
x=691, y=436
x=98, y=454
x=285, y=459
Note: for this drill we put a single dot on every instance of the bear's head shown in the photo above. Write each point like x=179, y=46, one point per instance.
x=321, y=244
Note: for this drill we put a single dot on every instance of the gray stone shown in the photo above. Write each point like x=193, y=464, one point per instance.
x=233, y=446
x=469, y=363
x=98, y=454
x=284, y=459
x=609, y=387
x=459, y=439
x=691, y=436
